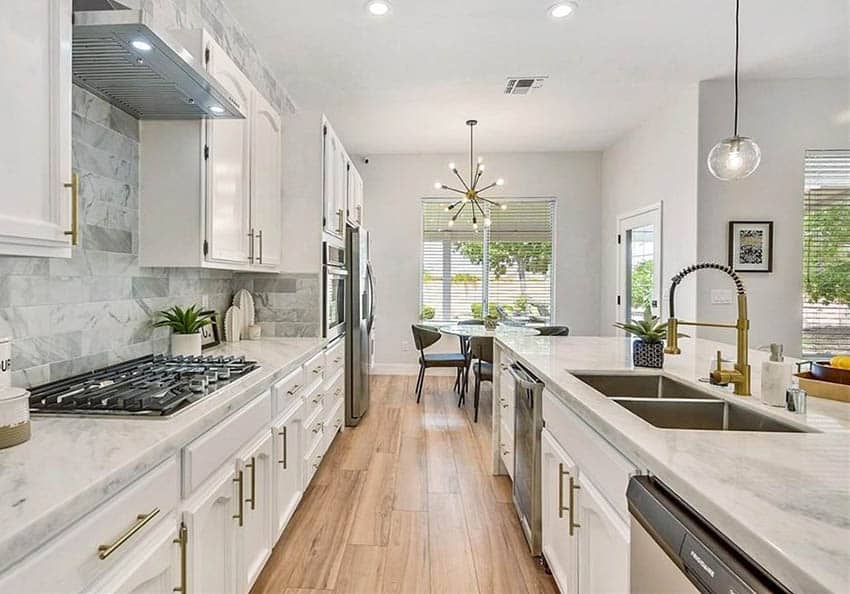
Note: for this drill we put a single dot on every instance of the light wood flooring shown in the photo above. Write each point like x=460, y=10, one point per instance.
x=405, y=503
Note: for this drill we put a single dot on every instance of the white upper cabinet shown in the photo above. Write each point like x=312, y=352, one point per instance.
x=334, y=182
x=232, y=168
x=228, y=167
x=354, y=194
x=266, y=169
x=35, y=155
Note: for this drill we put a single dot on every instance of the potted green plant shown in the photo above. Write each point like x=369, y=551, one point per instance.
x=185, y=327
x=650, y=334
x=491, y=321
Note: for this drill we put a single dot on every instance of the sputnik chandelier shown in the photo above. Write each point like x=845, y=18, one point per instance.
x=471, y=192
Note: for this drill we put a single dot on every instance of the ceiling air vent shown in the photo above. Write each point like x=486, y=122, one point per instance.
x=523, y=85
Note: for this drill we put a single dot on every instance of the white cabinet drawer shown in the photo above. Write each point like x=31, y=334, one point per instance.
x=313, y=401
x=312, y=430
x=335, y=419
x=287, y=390
x=73, y=560
x=335, y=357
x=315, y=368
x=334, y=388
x=607, y=468
x=207, y=453
x=506, y=448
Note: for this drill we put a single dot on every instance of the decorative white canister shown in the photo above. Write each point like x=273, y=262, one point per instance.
x=186, y=344
x=5, y=362
x=14, y=416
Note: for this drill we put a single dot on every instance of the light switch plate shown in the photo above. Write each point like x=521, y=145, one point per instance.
x=721, y=296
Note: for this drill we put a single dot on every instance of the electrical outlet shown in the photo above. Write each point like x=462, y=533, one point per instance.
x=405, y=346
x=721, y=297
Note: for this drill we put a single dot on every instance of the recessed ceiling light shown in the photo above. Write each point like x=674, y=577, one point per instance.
x=561, y=10
x=142, y=45
x=378, y=8
x=216, y=109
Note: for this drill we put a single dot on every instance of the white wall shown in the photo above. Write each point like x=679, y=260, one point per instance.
x=655, y=162
x=396, y=183
x=785, y=117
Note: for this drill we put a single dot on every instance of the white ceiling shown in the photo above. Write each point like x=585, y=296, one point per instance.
x=406, y=83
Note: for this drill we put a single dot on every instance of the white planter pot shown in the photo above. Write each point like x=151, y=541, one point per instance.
x=186, y=344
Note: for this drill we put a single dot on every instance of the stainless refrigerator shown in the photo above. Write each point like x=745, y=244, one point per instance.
x=360, y=322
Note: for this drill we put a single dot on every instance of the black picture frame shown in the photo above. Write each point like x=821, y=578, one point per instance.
x=762, y=255
x=210, y=336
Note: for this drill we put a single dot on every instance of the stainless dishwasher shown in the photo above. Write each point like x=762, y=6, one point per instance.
x=528, y=423
x=675, y=551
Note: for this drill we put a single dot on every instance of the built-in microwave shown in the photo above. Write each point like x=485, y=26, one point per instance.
x=335, y=283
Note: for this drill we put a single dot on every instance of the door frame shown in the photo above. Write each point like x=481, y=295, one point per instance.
x=654, y=213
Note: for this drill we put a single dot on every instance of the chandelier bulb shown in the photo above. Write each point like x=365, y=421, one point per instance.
x=451, y=222
x=487, y=222
x=481, y=167
x=480, y=160
x=452, y=167
x=475, y=226
x=438, y=185
x=500, y=182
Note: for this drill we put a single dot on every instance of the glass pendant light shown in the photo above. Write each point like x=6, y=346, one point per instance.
x=735, y=157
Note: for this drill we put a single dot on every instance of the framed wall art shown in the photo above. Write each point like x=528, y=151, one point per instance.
x=751, y=246
x=210, y=336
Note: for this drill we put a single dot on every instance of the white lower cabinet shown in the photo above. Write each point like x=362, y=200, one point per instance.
x=211, y=517
x=603, y=543
x=254, y=537
x=287, y=489
x=559, y=547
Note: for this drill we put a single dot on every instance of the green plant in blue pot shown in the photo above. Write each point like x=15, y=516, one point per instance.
x=649, y=336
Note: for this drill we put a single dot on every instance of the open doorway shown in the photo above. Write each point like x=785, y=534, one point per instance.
x=640, y=267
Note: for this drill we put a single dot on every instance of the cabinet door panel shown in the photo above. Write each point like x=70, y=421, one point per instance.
x=254, y=536
x=228, y=167
x=603, y=543
x=333, y=181
x=34, y=204
x=287, y=468
x=266, y=167
x=211, y=531
x=559, y=547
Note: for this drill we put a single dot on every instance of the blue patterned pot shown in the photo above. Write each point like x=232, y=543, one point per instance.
x=648, y=354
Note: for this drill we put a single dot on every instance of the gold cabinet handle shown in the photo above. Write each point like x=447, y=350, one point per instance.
x=561, y=472
x=282, y=433
x=260, y=238
x=240, y=515
x=251, y=245
x=74, y=184
x=104, y=551
x=183, y=540
x=318, y=398
x=294, y=389
x=253, y=498
x=318, y=369
x=573, y=523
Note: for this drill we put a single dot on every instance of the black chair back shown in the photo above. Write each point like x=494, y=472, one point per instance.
x=553, y=330
x=470, y=323
x=481, y=348
x=424, y=336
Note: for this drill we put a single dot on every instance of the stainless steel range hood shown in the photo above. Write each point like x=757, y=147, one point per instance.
x=119, y=58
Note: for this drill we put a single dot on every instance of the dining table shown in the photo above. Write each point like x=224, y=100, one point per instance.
x=471, y=330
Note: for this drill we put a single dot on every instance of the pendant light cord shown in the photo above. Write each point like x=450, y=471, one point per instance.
x=737, y=43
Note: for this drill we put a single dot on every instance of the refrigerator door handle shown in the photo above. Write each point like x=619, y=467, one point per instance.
x=371, y=297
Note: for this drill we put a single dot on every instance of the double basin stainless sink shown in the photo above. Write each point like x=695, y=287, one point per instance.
x=669, y=404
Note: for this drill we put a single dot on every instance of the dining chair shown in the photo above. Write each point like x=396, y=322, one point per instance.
x=481, y=350
x=464, y=348
x=425, y=336
x=553, y=330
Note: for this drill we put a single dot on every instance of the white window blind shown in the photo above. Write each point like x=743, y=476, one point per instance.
x=826, y=253
x=504, y=269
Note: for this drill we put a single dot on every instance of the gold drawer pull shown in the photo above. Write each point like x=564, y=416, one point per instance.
x=573, y=523
x=318, y=369
x=283, y=434
x=294, y=389
x=183, y=540
x=74, y=232
x=253, y=499
x=561, y=472
x=241, y=514
x=141, y=521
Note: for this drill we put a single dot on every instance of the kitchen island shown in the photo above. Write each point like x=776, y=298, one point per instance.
x=784, y=498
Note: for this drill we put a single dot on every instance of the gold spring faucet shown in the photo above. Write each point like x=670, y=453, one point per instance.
x=741, y=374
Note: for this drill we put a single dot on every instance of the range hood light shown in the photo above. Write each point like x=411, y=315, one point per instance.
x=142, y=45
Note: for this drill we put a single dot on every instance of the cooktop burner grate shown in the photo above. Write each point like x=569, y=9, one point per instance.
x=152, y=386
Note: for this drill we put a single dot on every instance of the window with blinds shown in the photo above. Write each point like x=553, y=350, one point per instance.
x=504, y=269
x=826, y=253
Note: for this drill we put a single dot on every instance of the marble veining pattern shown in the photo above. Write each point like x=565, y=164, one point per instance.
x=783, y=498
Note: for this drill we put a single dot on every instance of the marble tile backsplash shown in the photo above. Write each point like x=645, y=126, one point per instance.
x=284, y=304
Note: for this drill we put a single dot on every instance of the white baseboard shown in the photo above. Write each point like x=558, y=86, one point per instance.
x=408, y=369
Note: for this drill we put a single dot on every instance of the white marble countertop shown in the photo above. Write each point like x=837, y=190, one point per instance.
x=72, y=464
x=784, y=498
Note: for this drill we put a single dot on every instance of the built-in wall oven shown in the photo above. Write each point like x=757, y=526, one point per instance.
x=335, y=284
x=528, y=425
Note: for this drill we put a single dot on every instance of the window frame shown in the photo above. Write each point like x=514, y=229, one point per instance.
x=485, y=265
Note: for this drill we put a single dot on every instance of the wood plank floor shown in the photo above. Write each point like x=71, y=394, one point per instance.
x=404, y=503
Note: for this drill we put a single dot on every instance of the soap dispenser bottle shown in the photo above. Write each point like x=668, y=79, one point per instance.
x=775, y=377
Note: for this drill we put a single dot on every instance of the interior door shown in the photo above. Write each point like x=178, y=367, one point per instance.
x=640, y=264
x=228, y=168
x=287, y=467
x=211, y=526
x=559, y=547
x=35, y=158
x=603, y=543
x=266, y=166
x=254, y=536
